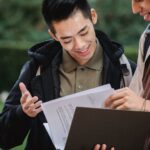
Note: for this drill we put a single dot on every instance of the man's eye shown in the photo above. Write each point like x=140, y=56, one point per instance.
x=67, y=42
x=85, y=33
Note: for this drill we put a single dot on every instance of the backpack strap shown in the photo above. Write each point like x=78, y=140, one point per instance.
x=126, y=70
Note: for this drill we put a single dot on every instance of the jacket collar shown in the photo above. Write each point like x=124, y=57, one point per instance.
x=45, y=52
x=113, y=49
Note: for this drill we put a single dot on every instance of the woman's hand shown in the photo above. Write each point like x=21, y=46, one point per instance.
x=125, y=99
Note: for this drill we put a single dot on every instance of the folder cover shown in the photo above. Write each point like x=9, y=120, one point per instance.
x=124, y=130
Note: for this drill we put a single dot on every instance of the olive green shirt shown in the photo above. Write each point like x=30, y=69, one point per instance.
x=75, y=78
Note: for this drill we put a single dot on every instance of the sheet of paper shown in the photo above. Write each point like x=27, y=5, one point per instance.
x=59, y=112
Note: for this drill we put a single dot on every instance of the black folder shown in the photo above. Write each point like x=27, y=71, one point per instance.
x=124, y=130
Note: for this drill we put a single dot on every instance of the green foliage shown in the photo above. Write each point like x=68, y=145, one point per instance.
x=21, y=20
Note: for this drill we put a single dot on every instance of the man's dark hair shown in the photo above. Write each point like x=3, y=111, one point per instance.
x=58, y=10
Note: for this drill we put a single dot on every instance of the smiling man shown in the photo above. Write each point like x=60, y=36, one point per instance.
x=78, y=58
x=80, y=43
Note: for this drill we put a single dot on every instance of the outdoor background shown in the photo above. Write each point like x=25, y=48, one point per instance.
x=22, y=25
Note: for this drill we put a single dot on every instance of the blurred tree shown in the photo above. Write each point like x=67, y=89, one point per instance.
x=21, y=20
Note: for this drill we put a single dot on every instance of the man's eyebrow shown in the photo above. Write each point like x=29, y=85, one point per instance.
x=67, y=37
x=82, y=29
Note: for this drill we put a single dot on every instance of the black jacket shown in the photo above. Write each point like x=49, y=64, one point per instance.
x=14, y=124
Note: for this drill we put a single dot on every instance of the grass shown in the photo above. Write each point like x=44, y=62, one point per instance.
x=1, y=105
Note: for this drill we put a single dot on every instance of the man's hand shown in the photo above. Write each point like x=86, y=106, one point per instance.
x=103, y=147
x=125, y=99
x=30, y=105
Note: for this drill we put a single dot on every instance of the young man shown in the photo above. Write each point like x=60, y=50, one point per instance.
x=78, y=58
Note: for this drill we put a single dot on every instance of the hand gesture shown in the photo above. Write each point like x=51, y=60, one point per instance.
x=30, y=105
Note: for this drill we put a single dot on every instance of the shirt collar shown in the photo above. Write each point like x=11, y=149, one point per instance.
x=68, y=64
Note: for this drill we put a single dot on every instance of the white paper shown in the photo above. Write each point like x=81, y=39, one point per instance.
x=59, y=112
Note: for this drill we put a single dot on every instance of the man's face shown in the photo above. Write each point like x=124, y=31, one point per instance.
x=77, y=36
x=142, y=7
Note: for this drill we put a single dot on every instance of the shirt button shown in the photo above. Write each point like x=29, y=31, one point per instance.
x=82, y=69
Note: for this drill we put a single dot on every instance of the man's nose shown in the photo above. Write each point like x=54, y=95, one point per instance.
x=79, y=43
x=136, y=7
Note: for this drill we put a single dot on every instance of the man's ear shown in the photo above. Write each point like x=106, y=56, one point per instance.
x=94, y=15
x=52, y=35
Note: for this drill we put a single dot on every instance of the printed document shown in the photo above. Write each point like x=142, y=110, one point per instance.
x=59, y=112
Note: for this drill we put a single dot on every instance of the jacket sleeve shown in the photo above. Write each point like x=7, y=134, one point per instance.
x=14, y=123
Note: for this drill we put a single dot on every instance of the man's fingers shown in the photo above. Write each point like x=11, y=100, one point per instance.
x=32, y=112
x=38, y=110
x=37, y=104
x=31, y=106
x=22, y=87
x=112, y=148
x=24, y=97
x=97, y=147
x=30, y=102
x=104, y=146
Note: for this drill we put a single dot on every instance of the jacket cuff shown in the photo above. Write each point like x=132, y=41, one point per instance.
x=21, y=115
